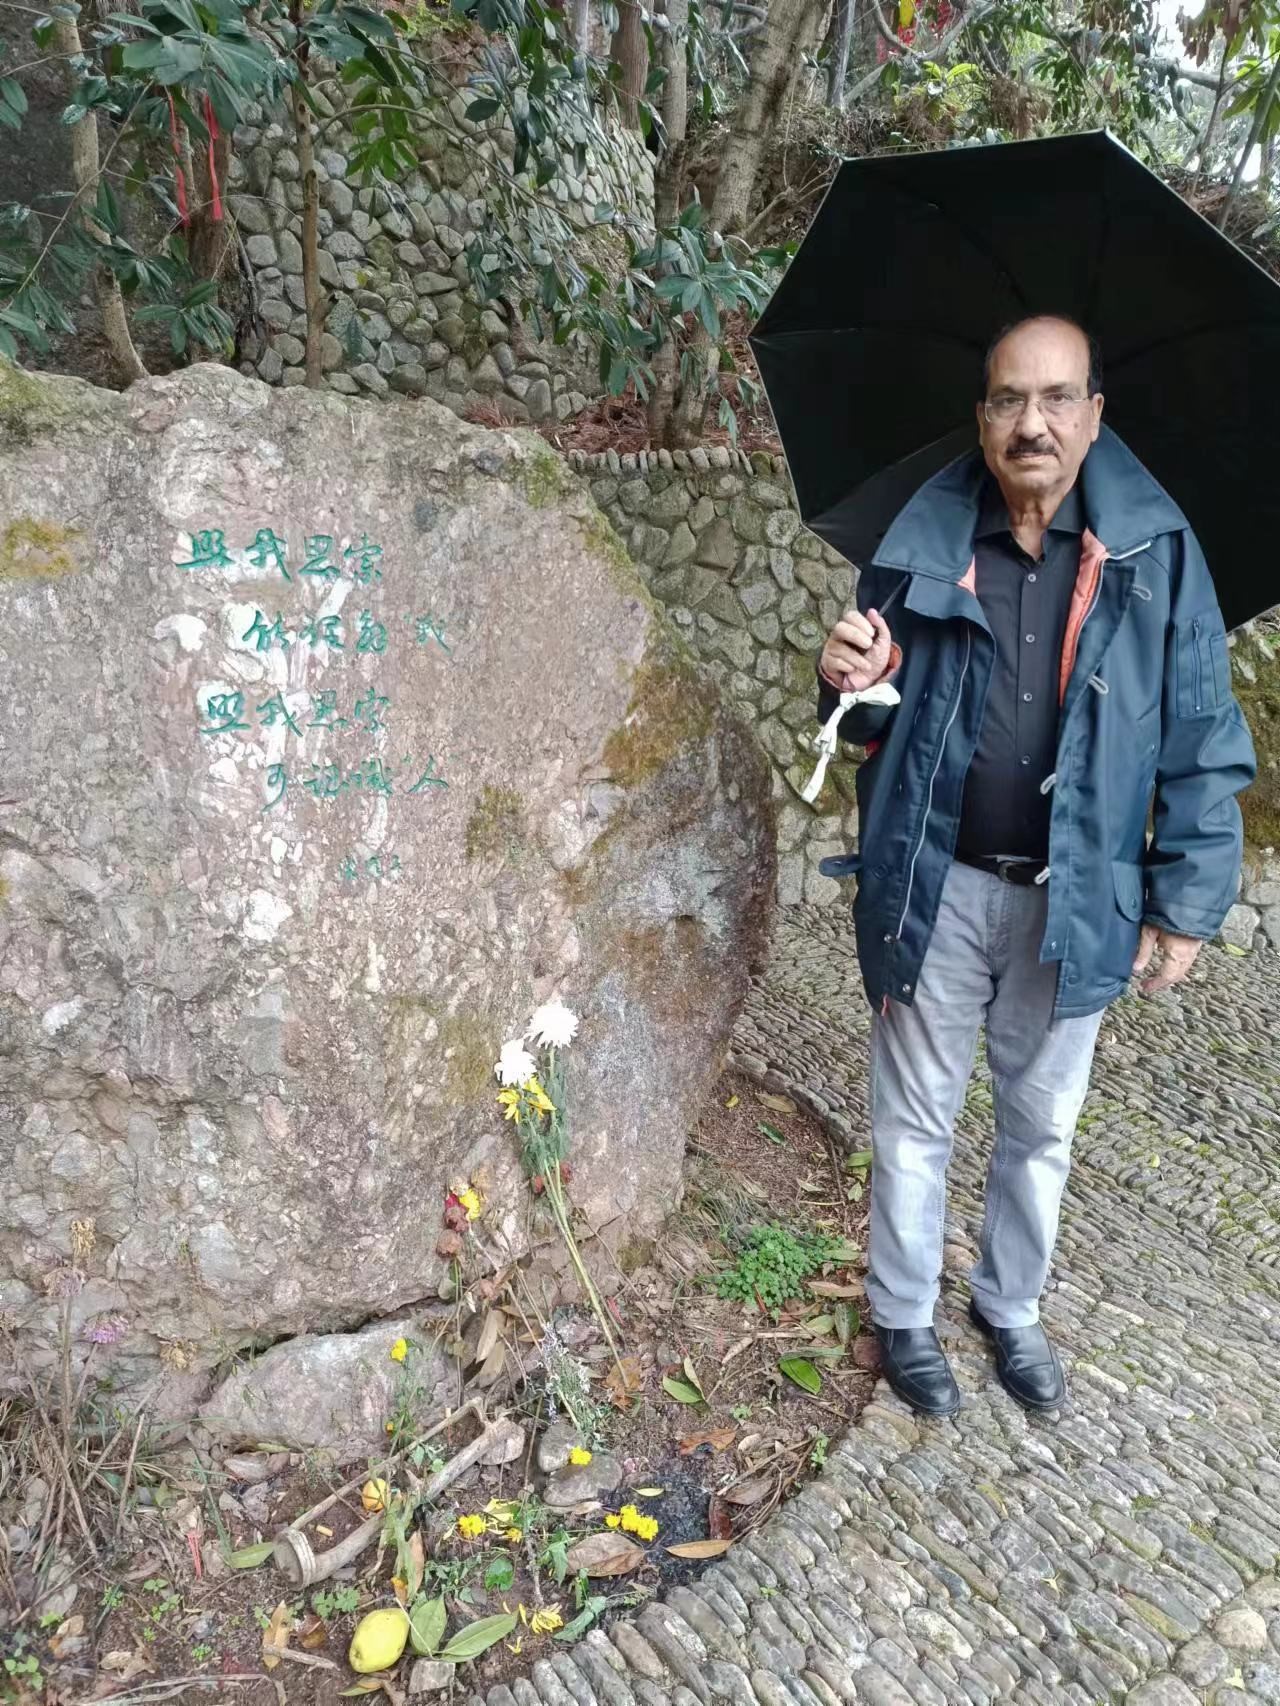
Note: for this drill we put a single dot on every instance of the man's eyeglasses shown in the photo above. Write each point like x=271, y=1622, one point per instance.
x=1008, y=407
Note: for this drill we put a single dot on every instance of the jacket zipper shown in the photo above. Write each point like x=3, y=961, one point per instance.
x=928, y=803
x=1195, y=638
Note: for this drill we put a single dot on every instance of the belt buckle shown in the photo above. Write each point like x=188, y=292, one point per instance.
x=1004, y=866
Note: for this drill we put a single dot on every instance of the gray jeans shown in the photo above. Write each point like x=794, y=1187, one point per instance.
x=982, y=965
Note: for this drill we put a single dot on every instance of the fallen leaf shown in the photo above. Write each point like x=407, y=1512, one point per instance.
x=829, y=1288
x=249, y=1557
x=649, y=1492
x=719, y=1439
x=366, y=1685
x=621, y=1383
x=859, y=1162
x=700, y=1549
x=801, y=1372
x=719, y=1519
x=820, y=1325
x=749, y=1492
x=691, y=1375
x=490, y=1333
x=866, y=1354
x=732, y=1102
x=492, y=1366
x=275, y=1637
x=312, y=1633
x=773, y=1134
x=417, y=1563
x=605, y=1555
x=779, y=1104
x=681, y=1391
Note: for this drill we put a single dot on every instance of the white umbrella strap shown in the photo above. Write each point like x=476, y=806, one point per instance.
x=828, y=736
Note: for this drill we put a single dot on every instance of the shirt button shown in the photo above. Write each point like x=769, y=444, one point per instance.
x=1031, y=639
x=1026, y=698
x=1025, y=759
x=1031, y=577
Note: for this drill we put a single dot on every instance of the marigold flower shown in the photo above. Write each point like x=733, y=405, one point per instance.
x=579, y=1456
x=553, y=1025
x=399, y=1351
x=470, y=1200
x=513, y=1534
x=471, y=1527
x=613, y=1520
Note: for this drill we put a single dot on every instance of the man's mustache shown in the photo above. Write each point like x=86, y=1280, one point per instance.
x=1032, y=447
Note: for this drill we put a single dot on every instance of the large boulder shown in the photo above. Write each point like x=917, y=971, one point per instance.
x=334, y=737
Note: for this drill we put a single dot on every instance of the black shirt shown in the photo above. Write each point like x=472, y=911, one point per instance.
x=1026, y=603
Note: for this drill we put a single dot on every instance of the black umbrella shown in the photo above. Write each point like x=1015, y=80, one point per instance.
x=871, y=348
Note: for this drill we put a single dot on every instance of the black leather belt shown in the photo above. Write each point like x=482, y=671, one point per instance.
x=1022, y=872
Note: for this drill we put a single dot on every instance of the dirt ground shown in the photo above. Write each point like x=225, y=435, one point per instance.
x=712, y=1411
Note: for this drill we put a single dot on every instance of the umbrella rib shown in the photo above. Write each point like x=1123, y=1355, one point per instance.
x=1184, y=335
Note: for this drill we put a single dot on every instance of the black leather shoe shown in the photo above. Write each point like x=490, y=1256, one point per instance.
x=915, y=1365
x=1026, y=1362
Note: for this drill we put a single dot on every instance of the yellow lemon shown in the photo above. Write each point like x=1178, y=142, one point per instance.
x=379, y=1640
x=374, y=1495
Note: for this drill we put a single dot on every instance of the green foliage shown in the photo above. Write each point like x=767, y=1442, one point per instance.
x=773, y=1264
x=336, y=1602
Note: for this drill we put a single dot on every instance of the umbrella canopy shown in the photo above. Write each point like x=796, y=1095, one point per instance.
x=871, y=348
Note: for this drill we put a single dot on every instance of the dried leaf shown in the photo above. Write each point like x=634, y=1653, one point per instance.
x=700, y=1549
x=749, y=1492
x=275, y=1637
x=492, y=1366
x=866, y=1354
x=416, y=1563
x=719, y=1439
x=719, y=1519
x=605, y=1555
x=649, y=1492
x=312, y=1633
x=829, y=1288
x=478, y=1637
x=448, y=1245
x=623, y=1380
x=691, y=1375
x=366, y=1685
x=490, y=1333
x=779, y=1104
x=249, y=1557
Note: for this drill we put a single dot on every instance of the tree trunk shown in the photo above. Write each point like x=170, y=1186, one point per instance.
x=311, y=292
x=212, y=237
x=629, y=50
x=1260, y=115
x=839, y=39
x=580, y=15
x=86, y=170
x=775, y=64
x=668, y=199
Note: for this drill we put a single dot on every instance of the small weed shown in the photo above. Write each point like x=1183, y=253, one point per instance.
x=742, y=1412
x=200, y=1653
x=773, y=1265
x=818, y=1455
x=112, y=1598
x=335, y=1604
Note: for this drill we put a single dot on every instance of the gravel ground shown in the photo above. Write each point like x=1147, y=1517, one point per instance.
x=1128, y=1549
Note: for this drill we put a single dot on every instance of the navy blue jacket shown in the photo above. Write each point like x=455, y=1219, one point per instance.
x=1149, y=732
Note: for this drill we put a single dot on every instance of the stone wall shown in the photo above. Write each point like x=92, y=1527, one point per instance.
x=718, y=540
x=392, y=259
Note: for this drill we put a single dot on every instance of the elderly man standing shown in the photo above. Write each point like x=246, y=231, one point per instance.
x=1070, y=672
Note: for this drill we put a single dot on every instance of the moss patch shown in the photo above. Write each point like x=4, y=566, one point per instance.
x=495, y=828
x=30, y=408
x=1260, y=702
x=544, y=477
x=36, y=550
x=471, y=1047
x=670, y=708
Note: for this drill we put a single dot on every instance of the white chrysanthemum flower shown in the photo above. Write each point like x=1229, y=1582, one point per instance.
x=553, y=1025
x=515, y=1065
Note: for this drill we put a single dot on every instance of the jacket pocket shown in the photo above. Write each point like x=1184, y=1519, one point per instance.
x=1130, y=887
x=1204, y=673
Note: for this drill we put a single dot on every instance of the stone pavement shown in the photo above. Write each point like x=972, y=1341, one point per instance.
x=1129, y=1549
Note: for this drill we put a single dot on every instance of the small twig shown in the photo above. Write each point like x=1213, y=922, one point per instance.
x=148, y=1692
x=317, y=1660
x=475, y=1405
x=128, y=1476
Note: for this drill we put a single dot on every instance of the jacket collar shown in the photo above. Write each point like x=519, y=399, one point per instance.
x=1124, y=505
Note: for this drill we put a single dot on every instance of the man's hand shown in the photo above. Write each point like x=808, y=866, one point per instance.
x=857, y=651
x=1177, y=956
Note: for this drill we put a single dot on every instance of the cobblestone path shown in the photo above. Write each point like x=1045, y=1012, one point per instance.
x=1129, y=1549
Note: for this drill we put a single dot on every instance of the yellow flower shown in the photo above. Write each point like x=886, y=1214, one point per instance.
x=632, y=1522
x=538, y=1096
x=391, y=1427
x=646, y=1528
x=513, y=1534
x=546, y=1622
x=510, y=1101
x=613, y=1520
x=400, y=1350
x=470, y=1200
x=579, y=1456
x=471, y=1527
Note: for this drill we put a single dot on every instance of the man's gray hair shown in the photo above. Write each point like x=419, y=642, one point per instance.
x=1095, y=351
